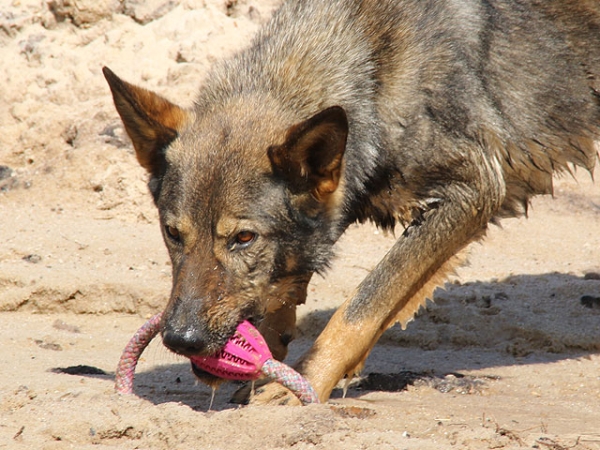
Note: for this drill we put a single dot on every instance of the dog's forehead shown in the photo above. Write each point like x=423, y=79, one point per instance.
x=219, y=166
x=212, y=177
x=231, y=141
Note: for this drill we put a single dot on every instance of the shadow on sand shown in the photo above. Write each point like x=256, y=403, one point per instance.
x=522, y=319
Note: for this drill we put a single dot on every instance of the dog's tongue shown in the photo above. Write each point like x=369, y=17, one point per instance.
x=242, y=357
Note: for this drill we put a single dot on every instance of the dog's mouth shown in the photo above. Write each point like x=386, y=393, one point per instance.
x=213, y=380
x=205, y=377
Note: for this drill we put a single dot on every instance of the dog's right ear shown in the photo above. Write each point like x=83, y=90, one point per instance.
x=150, y=120
x=311, y=158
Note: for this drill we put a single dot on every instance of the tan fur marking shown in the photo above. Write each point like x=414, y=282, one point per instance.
x=150, y=120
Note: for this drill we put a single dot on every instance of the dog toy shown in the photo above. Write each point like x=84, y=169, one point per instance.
x=245, y=356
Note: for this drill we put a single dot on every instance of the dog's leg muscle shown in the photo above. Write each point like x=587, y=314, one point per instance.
x=407, y=275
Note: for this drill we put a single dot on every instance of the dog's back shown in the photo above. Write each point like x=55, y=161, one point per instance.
x=522, y=78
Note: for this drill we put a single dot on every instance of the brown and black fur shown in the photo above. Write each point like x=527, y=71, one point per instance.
x=439, y=115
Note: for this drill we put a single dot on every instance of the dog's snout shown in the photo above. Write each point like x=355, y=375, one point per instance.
x=182, y=330
x=185, y=342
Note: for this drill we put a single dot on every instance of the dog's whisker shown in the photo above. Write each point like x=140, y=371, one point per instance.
x=212, y=397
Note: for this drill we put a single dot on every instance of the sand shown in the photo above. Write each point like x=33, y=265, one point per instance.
x=508, y=356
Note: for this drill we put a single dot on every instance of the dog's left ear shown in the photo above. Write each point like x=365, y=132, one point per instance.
x=311, y=157
x=151, y=121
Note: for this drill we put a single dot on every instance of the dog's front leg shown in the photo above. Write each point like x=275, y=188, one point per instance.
x=402, y=281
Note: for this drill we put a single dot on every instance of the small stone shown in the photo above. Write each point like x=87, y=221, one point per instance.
x=5, y=172
x=33, y=258
x=69, y=134
x=146, y=11
x=83, y=12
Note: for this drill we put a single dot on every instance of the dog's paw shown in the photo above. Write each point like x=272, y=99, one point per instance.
x=273, y=394
x=243, y=395
x=264, y=392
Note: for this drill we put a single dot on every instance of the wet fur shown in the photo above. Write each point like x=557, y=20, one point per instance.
x=442, y=116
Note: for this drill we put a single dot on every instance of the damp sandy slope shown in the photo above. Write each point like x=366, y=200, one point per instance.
x=507, y=357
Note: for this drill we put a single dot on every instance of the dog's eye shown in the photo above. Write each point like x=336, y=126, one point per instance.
x=173, y=233
x=243, y=239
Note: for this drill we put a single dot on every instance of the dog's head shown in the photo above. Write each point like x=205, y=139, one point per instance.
x=248, y=204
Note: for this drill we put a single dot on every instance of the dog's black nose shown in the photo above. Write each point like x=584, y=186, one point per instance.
x=185, y=342
x=183, y=331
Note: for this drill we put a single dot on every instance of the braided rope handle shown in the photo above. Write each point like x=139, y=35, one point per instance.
x=132, y=352
x=288, y=377
x=272, y=369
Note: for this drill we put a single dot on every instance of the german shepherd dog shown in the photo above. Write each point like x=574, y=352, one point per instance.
x=441, y=116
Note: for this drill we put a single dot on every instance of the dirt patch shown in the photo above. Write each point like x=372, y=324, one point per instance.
x=506, y=357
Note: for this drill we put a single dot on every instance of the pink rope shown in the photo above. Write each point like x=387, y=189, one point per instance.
x=272, y=369
x=133, y=351
x=288, y=377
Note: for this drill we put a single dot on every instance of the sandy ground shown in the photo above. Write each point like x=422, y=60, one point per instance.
x=507, y=357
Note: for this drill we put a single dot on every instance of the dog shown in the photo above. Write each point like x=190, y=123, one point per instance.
x=439, y=116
